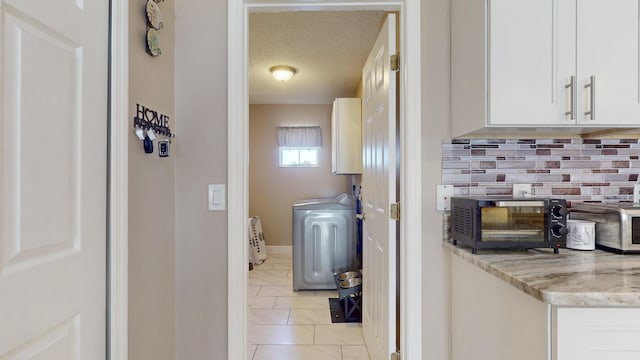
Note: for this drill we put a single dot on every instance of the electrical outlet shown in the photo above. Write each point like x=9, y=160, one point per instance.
x=522, y=190
x=443, y=197
x=636, y=193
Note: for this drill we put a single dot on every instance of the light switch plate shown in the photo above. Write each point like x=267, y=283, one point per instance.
x=443, y=197
x=216, y=197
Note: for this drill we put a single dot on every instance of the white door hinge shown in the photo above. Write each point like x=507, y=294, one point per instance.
x=394, y=62
x=394, y=211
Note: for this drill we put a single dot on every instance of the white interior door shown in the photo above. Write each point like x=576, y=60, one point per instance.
x=378, y=192
x=53, y=132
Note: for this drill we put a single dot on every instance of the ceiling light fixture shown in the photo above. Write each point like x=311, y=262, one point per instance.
x=282, y=72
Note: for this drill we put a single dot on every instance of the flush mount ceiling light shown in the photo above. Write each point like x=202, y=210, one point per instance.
x=282, y=72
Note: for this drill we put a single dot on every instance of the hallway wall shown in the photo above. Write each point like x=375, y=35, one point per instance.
x=201, y=245
x=272, y=189
x=201, y=159
x=151, y=195
x=436, y=102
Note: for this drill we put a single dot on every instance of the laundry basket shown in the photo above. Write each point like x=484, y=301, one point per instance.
x=257, y=246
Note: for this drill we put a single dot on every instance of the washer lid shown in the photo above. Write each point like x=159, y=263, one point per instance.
x=343, y=198
x=314, y=201
x=324, y=204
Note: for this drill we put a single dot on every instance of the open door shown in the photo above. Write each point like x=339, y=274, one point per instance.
x=53, y=171
x=379, y=194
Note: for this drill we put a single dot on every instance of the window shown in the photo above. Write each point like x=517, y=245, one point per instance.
x=298, y=156
x=298, y=145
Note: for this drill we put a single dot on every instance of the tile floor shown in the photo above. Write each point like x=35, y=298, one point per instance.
x=295, y=325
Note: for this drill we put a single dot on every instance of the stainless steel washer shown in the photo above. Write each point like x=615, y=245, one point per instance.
x=324, y=241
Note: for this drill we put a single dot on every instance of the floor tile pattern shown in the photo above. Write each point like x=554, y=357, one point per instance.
x=295, y=325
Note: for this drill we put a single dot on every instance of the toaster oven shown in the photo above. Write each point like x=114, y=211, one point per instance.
x=617, y=224
x=509, y=223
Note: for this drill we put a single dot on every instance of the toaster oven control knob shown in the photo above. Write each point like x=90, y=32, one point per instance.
x=559, y=211
x=559, y=230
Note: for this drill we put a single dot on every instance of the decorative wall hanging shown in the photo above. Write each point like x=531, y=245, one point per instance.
x=149, y=125
x=153, y=42
x=154, y=15
x=154, y=22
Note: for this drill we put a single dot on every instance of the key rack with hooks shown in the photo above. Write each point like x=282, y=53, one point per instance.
x=147, y=119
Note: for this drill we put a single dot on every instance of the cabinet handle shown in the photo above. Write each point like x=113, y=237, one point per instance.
x=592, y=98
x=572, y=88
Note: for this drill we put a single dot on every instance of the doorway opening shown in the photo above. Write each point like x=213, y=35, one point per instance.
x=328, y=50
x=238, y=165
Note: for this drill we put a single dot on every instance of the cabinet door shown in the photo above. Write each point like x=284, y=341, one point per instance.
x=531, y=58
x=334, y=137
x=598, y=334
x=608, y=50
x=346, y=138
x=492, y=320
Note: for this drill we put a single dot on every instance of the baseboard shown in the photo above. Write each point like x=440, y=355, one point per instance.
x=284, y=249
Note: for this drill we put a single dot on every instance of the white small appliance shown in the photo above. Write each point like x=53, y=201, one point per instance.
x=582, y=234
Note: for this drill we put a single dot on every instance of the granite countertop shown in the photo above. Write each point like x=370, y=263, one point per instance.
x=570, y=278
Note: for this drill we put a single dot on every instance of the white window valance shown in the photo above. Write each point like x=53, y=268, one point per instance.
x=300, y=136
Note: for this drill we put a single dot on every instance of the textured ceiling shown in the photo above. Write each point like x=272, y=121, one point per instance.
x=328, y=48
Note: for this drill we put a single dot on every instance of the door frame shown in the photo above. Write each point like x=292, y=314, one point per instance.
x=410, y=171
x=118, y=182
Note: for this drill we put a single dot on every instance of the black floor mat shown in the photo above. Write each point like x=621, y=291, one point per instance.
x=337, y=313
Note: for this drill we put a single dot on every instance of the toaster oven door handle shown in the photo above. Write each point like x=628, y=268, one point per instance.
x=519, y=203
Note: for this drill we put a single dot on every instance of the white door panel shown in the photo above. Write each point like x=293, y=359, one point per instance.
x=378, y=192
x=607, y=49
x=53, y=179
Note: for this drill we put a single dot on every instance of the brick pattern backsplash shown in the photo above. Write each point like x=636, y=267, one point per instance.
x=573, y=169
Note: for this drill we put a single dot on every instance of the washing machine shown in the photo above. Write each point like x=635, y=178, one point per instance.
x=324, y=241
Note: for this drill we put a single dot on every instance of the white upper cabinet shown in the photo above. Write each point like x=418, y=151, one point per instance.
x=528, y=65
x=346, y=136
x=524, y=65
x=607, y=49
